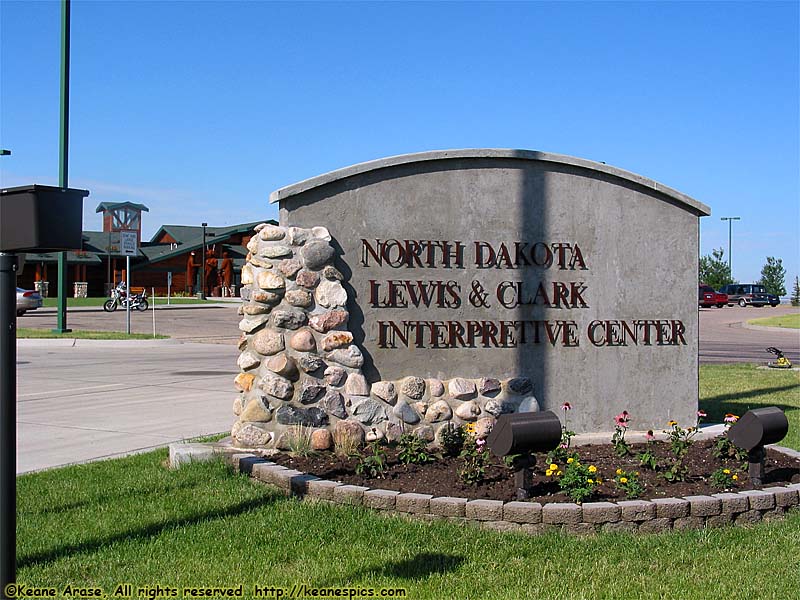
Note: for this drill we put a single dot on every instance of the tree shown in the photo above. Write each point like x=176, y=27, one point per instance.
x=773, y=276
x=796, y=292
x=714, y=271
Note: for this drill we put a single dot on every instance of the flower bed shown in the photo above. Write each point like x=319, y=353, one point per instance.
x=441, y=476
x=658, y=514
x=675, y=482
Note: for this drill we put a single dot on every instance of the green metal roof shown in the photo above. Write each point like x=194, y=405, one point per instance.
x=183, y=234
x=103, y=206
x=189, y=238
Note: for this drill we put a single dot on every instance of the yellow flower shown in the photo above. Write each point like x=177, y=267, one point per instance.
x=589, y=481
x=554, y=467
x=619, y=471
x=726, y=471
x=592, y=469
x=672, y=423
x=735, y=478
x=560, y=473
x=470, y=427
x=570, y=460
x=623, y=480
x=599, y=481
x=549, y=472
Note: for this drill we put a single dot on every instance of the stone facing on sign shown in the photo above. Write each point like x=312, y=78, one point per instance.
x=503, y=264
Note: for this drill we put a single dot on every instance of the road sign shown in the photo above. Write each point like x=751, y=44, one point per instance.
x=128, y=244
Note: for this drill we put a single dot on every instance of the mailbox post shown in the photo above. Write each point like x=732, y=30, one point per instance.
x=756, y=429
x=521, y=434
x=40, y=218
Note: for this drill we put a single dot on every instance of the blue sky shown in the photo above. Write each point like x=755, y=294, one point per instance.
x=200, y=109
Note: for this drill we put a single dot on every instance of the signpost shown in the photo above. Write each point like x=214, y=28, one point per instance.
x=128, y=245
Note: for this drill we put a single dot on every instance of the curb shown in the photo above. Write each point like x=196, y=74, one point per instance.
x=746, y=325
x=72, y=342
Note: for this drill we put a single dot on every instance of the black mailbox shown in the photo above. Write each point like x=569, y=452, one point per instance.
x=759, y=427
x=753, y=431
x=41, y=218
x=520, y=433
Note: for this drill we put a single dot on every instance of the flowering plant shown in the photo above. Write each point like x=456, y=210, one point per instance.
x=628, y=482
x=562, y=451
x=374, y=464
x=579, y=481
x=724, y=478
x=648, y=457
x=413, y=449
x=618, y=439
x=680, y=439
x=476, y=457
x=451, y=438
x=676, y=470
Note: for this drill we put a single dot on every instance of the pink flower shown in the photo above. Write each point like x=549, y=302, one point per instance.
x=649, y=435
x=701, y=414
x=566, y=406
x=729, y=418
x=622, y=419
x=479, y=444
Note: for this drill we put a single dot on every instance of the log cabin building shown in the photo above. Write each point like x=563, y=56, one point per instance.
x=169, y=262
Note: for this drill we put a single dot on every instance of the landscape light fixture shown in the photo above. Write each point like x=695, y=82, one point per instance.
x=756, y=429
x=521, y=434
x=730, y=221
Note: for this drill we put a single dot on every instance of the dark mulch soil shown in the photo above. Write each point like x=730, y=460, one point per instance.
x=440, y=478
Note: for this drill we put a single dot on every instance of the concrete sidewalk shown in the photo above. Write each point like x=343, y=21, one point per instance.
x=97, y=399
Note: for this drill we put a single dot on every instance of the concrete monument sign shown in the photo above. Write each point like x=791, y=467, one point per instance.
x=477, y=282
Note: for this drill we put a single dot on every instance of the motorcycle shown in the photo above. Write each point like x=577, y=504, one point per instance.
x=119, y=297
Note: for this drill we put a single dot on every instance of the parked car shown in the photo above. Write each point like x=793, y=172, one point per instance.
x=27, y=300
x=752, y=294
x=708, y=297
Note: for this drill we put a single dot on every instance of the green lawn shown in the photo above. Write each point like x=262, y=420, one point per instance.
x=30, y=333
x=76, y=302
x=791, y=320
x=132, y=520
x=738, y=388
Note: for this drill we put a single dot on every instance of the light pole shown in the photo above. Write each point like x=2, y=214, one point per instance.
x=730, y=221
x=203, y=266
x=63, y=158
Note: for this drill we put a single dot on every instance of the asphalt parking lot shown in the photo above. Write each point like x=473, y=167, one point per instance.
x=725, y=336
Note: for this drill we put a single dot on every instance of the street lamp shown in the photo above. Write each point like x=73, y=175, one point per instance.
x=203, y=266
x=730, y=221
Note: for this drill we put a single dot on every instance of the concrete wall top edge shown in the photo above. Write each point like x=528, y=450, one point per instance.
x=295, y=189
